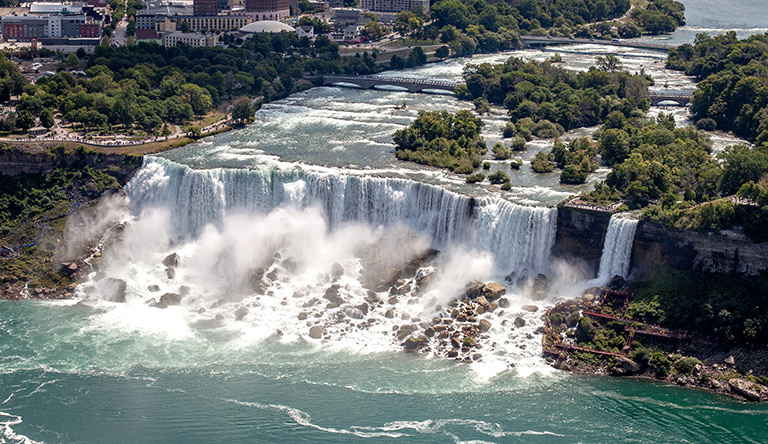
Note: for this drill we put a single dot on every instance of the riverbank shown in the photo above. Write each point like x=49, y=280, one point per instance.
x=597, y=335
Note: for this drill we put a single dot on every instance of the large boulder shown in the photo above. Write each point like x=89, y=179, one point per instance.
x=170, y=273
x=332, y=295
x=336, y=270
x=112, y=289
x=474, y=290
x=625, y=367
x=484, y=325
x=747, y=389
x=316, y=332
x=172, y=260
x=493, y=291
x=170, y=299
x=240, y=313
x=519, y=322
x=414, y=343
x=530, y=308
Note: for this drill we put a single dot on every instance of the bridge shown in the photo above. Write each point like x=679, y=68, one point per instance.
x=532, y=41
x=426, y=85
x=411, y=85
x=679, y=99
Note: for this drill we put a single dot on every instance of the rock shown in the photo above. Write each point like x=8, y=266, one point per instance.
x=170, y=273
x=392, y=300
x=730, y=360
x=272, y=275
x=493, y=307
x=201, y=310
x=474, y=289
x=519, y=322
x=484, y=325
x=353, y=313
x=184, y=290
x=493, y=291
x=414, y=343
x=69, y=267
x=171, y=261
x=530, y=308
x=336, y=271
x=240, y=313
x=153, y=288
x=112, y=289
x=480, y=310
x=389, y=314
x=303, y=315
x=482, y=301
x=504, y=303
x=625, y=367
x=400, y=290
x=332, y=294
x=316, y=332
x=746, y=389
x=461, y=317
x=429, y=332
x=170, y=299
x=452, y=353
x=572, y=319
x=363, y=308
x=588, y=298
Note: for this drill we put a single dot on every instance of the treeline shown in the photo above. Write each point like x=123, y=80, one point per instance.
x=146, y=85
x=732, y=94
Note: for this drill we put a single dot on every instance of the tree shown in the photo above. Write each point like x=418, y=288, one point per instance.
x=242, y=110
x=372, y=31
x=442, y=52
x=609, y=63
x=72, y=60
x=25, y=120
x=80, y=53
x=46, y=118
x=184, y=26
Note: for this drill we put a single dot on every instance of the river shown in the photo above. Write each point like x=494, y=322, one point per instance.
x=313, y=182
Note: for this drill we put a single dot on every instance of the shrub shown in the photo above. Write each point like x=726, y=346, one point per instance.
x=706, y=124
x=498, y=177
x=486, y=165
x=662, y=363
x=506, y=186
x=518, y=144
x=500, y=152
x=516, y=164
x=541, y=163
x=509, y=130
x=478, y=177
x=686, y=365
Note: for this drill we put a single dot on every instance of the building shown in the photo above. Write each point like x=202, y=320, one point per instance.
x=205, y=7
x=270, y=26
x=268, y=9
x=351, y=33
x=28, y=28
x=216, y=22
x=307, y=31
x=54, y=8
x=188, y=38
x=394, y=5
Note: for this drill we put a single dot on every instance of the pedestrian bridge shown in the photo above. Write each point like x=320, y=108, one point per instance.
x=532, y=40
x=670, y=99
x=411, y=85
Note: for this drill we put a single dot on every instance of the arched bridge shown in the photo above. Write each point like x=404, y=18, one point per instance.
x=412, y=85
x=680, y=99
x=531, y=40
x=422, y=85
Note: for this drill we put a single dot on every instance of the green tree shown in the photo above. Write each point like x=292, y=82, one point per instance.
x=46, y=118
x=242, y=110
x=72, y=60
x=442, y=52
x=25, y=120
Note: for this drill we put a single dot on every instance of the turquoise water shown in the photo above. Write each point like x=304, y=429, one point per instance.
x=69, y=377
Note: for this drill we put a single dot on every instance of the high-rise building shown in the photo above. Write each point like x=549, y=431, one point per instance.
x=205, y=7
x=268, y=9
x=394, y=5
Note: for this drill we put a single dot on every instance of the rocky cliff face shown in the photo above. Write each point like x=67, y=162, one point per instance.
x=15, y=161
x=657, y=246
x=580, y=236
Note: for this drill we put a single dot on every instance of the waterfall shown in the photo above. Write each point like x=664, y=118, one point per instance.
x=617, y=249
x=519, y=237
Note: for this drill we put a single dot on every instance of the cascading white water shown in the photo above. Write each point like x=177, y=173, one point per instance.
x=520, y=238
x=617, y=248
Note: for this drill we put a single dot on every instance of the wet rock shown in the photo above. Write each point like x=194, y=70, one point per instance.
x=353, y=313
x=363, y=308
x=429, y=332
x=730, y=360
x=332, y=294
x=392, y=300
x=389, y=314
x=484, y=325
x=455, y=342
x=184, y=290
x=519, y=322
x=477, y=357
x=625, y=367
x=400, y=290
x=172, y=260
x=530, y=308
x=336, y=271
x=748, y=390
x=461, y=317
x=415, y=343
x=311, y=302
x=474, y=290
x=493, y=307
x=482, y=301
x=240, y=313
x=316, y=332
x=424, y=280
x=588, y=298
x=112, y=289
x=303, y=315
x=572, y=319
x=170, y=299
x=493, y=291
x=170, y=273
x=201, y=310
x=69, y=268
x=153, y=288
x=272, y=275
x=480, y=310
x=452, y=353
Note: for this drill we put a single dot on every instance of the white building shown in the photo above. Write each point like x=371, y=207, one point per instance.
x=394, y=5
x=307, y=31
x=188, y=38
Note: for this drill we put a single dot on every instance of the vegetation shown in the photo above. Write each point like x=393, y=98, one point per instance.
x=553, y=98
x=444, y=140
x=733, y=82
x=576, y=160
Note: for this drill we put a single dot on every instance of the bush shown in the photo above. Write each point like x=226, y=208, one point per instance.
x=506, y=186
x=541, y=163
x=486, y=165
x=641, y=355
x=706, y=124
x=516, y=164
x=500, y=152
x=509, y=130
x=686, y=365
x=518, y=144
x=662, y=363
x=478, y=177
x=498, y=177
